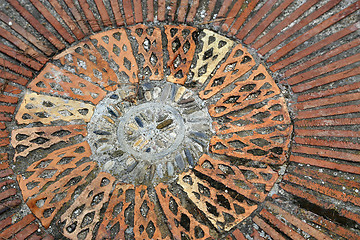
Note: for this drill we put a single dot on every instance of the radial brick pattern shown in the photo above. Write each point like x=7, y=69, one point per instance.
x=224, y=119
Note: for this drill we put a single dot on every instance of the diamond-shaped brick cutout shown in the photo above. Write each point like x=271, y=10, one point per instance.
x=85, y=59
x=213, y=51
x=176, y=214
x=84, y=213
x=27, y=137
x=125, y=58
x=181, y=48
x=238, y=63
x=219, y=207
x=70, y=85
x=150, y=47
x=46, y=109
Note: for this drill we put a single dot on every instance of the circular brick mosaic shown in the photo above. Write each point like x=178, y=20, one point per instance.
x=129, y=119
x=207, y=125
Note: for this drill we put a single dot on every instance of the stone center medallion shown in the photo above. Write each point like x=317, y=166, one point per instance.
x=149, y=132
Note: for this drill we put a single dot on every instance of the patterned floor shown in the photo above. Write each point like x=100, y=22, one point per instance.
x=179, y=119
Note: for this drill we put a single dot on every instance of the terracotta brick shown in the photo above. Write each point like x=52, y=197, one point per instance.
x=336, y=228
x=267, y=228
x=142, y=219
x=327, y=153
x=128, y=10
x=327, y=122
x=296, y=191
x=4, y=165
x=117, y=13
x=267, y=21
x=312, y=32
x=4, y=156
x=53, y=159
x=326, y=133
x=322, y=57
x=118, y=196
x=302, y=171
x=324, y=69
x=329, y=92
x=222, y=77
x=108, y=79
x=27, y=231
x=238, y=23
x=182, y=9
x=302, y=23
x=328, y=111
x=322, y=189
x=4, y=134
x=255, y=19
x=232, y=14
x=4, y=141
x=6, y=182
x=335, y=144
x=6, y=172
x=256, y=235
x=96, y=187
x=210, y=9
x=123, y=57
x=5, y=222
x=172, y=10
x=312, y=199
x=16, y=68
x=62, y=187
x=284, y=23
x=222, y=12
x=8, y=88
x=105, y=18
x=192, y=12
x=53, y=21
x=25, y=50
x=183, y=56
x=166, y=198
x=47, y=133
x=78, y=18
x=90, y=18
x=325, y=80
x=48, y=237
x=150, y=10
x=161, y=10
x=8, y=205
x=34, y=237
x=138, y=11
x=28, y=36
x=8, y=99
x=13, y=78
x=37, y=25
x=67, y=19
x=5, y=118
x=238, y=235
x=52, y=74
x=7, y=109
x=297, y=222
x=7, y=193
x=325, y=164
x=141, y=33
x=19, y=56
x=280, y=225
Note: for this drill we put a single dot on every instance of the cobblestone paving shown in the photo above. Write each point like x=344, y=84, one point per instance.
x=179, y=119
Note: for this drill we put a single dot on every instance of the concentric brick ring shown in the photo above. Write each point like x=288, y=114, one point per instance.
x=216, y=185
